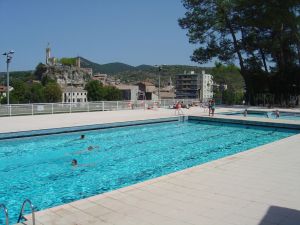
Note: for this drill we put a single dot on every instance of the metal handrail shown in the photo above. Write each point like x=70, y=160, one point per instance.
x=22, y=211
x=6, y=214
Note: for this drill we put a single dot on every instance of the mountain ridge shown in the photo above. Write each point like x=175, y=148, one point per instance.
x=111, y=68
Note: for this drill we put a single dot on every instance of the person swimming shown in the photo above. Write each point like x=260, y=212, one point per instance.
x=277, y=114
x=82, y=137
x=74, y=162
x=88, y=149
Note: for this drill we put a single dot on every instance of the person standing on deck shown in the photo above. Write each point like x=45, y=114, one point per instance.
x=245, y=112
x=209, y=107
x=213, y=107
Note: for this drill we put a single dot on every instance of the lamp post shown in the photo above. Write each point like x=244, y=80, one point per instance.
x=199, y=94
x=160, y=67
x=8, y=59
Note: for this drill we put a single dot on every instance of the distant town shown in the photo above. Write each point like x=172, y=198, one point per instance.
x=67, y=80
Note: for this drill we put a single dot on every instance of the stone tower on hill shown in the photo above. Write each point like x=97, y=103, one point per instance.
x=50, y=61
x=66, y=74
x=48, y=54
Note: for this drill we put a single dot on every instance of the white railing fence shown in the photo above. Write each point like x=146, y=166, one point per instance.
x=52, y=108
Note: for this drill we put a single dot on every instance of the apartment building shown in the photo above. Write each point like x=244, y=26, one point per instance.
x=194, y=86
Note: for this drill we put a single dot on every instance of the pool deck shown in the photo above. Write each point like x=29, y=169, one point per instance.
x=37, y=122
x=258, y=187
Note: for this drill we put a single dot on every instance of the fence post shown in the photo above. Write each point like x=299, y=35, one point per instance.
x=9, y=107
x=117, y=105
x=52, y=110
x=88, y=106
x=102, y=105
x=70, y=107
x=32, y=109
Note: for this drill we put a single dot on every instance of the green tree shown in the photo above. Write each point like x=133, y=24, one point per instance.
x=112, y=93
x=262, y=36
x=53, y=92
x=46, y=80
x=40, y=70
x=95, y=91
x=68, y=61
x=12, y=100
x=20, y=91
x=37, y=93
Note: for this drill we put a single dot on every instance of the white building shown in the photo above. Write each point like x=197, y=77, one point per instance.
x=74, y=94
x=206, y=87
x=129, y=92
x=194, y=86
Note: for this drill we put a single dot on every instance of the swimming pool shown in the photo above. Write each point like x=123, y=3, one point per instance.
x=262, y=114
x=39, y=168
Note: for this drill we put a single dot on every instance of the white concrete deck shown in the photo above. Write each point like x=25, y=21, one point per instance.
x=258, y=187
x=36, y=122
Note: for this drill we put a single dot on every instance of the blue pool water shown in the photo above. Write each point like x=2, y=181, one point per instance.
x=271, y=115
x=39, y=168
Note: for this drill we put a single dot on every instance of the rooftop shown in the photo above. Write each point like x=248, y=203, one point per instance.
x=74, y=89
x=125, y=86
x=147, y=83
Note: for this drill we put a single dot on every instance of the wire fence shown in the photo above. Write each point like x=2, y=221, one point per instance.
x=54, y=108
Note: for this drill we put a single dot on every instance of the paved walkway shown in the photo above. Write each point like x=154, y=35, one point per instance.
x=36, y=122
x=258, y=187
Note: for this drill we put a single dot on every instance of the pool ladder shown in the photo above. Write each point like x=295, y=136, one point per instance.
x=182, y=118
x=21, y=216
x=6, y=213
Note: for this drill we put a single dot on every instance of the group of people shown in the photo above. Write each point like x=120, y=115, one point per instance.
x=74, y=162
x=277, y=113
x=178, y=108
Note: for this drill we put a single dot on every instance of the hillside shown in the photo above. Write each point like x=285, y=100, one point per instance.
x=228, y=75
x=21, y=75
x=109, y=68
x=131, y=74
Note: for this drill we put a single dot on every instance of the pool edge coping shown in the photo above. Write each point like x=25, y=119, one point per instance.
x=70, y=129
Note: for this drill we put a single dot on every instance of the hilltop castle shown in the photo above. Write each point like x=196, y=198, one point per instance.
x=52, y=61
x=66, y=74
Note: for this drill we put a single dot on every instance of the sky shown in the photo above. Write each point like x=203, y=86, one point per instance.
x=134, y=32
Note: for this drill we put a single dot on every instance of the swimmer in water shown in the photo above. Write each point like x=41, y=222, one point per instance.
x=74, y=162
x=89, y=149
x=82, y=137
x=277, y=114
